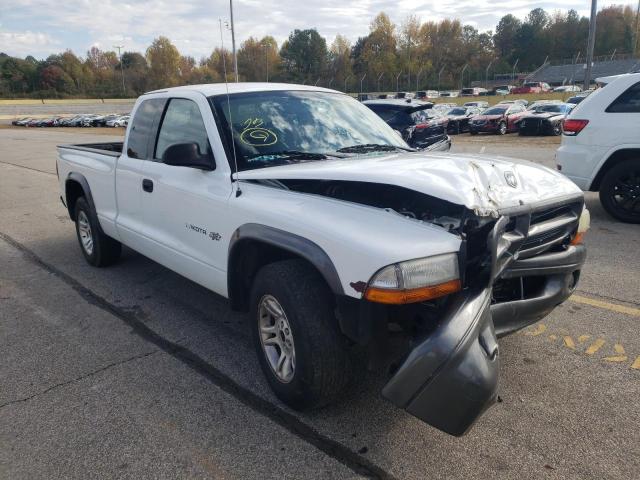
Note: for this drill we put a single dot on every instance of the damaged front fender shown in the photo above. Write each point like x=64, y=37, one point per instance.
x=451, y=377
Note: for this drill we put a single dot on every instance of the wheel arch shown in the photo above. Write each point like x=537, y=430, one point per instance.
x=254, y=245
x=614, y=159
x=76, y=186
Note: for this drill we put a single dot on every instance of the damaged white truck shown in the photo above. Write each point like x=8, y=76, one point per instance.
x=306, y=210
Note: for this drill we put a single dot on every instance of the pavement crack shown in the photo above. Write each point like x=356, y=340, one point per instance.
x=27, y=168
x=330, y=447
x=78, y=379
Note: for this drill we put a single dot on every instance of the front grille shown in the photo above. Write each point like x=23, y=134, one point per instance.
x=530, y=234
x=530, y=125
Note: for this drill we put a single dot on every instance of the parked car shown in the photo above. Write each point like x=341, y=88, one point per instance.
x=383, y=95
x=568, y=88
x=405, y=95
x=502, y=90
x=537, y=103
x=473, y=92
x=520, y=101
x=21, y=122
x=450, y=93
x=532, y=87
x=329, y=232
x=118, y=121
x=443, y=107
x=421, y=95
x=544, y=119
x=600, y=148
x=420, y=125
x=500, y=119
x=479, y=104
x=458, y=118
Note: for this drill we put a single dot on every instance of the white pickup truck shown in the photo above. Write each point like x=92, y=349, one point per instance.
x=303, y=208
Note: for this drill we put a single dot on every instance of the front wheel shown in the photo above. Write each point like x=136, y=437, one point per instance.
x=620, y=191
x=301, y=350
x=502, y=128
x=557, y=129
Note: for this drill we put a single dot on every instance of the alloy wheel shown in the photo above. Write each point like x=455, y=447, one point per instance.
x=276, y=338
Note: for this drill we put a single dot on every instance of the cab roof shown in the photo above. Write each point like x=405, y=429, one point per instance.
x=210, y=89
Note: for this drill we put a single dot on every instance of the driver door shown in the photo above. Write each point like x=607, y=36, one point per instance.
x=184, y=207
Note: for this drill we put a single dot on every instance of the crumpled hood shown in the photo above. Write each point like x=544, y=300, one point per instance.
x=545, y=115
x=479, y=182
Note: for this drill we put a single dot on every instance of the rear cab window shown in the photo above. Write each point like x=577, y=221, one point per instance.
x=628, y=102
x=142, y=131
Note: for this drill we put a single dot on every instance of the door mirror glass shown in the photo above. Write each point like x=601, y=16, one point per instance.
x=187, y=155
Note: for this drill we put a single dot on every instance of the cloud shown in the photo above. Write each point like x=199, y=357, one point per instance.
x=192, y=25
x=26, y=43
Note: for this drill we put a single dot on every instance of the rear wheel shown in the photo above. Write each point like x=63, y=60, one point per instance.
x=98, y=249
x=301, y=350
x=620, y=191
x=557, y=129
x=502, y=128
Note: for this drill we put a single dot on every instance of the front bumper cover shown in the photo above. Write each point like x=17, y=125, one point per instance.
x=451, y=377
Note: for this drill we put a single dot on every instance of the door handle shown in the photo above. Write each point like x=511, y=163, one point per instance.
x=147, y=185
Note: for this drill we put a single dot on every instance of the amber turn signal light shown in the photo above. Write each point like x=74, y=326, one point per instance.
x=399, y=297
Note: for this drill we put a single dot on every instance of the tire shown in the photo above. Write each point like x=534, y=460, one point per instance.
x=98, y=249
x=556, y=129
x=622, y=203
x=322, y=368
x=473, y=132
x=502, y=128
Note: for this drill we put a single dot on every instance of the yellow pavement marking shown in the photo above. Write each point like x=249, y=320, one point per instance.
x=553, y=337
x=568, y=342
x=636, y=364
x=595, y=346
x=634, y=312
x=583, y=338
x=621, y=357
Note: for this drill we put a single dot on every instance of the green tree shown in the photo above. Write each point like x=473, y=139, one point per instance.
x=164, y=63
x=304, y=55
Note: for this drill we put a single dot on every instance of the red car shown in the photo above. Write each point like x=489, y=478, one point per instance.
x=500, y=119
x=532, y=87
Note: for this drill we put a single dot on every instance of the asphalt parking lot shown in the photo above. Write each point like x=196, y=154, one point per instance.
x=136, y=372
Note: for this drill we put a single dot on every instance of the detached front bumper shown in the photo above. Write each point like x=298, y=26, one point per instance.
x=451, y=377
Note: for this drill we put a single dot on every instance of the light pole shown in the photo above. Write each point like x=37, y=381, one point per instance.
x=379, y=77
x=513, y=71
x=121, y=67
x=233, y=42
x=418, y=78
x=346, y=79
x=398, y=81
x=362, y=80
x=590, y=43
x=439, y=75
x=462, y=75
x=486, y=75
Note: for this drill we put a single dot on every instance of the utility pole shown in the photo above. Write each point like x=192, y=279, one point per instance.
x=590, y=44
x=233, y=42
x=119, y=47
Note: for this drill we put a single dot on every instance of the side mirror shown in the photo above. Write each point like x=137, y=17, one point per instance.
x=187, y=155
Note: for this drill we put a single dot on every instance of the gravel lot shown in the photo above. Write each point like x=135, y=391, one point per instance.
x=136, y=372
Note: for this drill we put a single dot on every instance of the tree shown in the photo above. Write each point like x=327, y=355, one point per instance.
x=164, y=63
x=304, y=55
x=505, y=36
x=379, y=52
x=340, y=60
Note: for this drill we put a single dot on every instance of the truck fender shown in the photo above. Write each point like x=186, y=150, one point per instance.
x=287, y=241
x=84, y=184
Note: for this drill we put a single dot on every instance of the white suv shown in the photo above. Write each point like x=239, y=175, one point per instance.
x=600, y=148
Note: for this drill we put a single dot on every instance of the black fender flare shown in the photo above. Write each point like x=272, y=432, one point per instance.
x=288, y=241
x=82, y=181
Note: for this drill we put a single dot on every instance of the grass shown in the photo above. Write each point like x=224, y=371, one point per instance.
x=65, y=101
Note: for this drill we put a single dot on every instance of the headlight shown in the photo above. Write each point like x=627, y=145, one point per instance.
x=415, y=280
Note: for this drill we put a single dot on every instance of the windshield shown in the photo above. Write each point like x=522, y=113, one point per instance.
x=495, y=111
x=530, y=84
x=552, y=108
x=282, y=127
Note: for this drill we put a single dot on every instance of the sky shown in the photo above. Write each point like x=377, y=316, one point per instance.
x=43, y=27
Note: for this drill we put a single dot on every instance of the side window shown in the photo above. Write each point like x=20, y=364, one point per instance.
x=141, y=128
x=628, y=102
x=384, y=113
x=182, y=123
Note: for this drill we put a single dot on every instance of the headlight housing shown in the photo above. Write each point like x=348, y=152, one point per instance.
x=415, y=280
x=583, y=225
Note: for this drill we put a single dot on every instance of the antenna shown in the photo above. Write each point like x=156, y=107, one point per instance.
x=233, y=143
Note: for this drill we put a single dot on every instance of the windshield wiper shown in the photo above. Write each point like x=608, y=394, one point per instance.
x=372, y=147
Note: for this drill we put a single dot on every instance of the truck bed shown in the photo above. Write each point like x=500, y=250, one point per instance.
x=113, y=149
